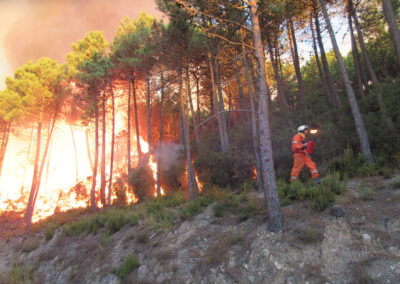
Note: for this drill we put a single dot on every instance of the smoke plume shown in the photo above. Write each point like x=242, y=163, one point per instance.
x=48, y=27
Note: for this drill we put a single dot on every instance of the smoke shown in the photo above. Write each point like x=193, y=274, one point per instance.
x=48, y=27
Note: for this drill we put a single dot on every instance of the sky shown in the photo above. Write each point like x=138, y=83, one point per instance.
x=31, y=29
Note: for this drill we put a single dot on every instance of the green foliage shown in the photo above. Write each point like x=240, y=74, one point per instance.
x=142, y=182
x=111, y=220
x=142, y=238
x=320, y=196
x=126, y=268
x=192, y=208
x=365, y=191
x=50, y=230
x=234, y=167
x=20, y=274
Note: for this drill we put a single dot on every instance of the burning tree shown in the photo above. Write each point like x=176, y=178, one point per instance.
x=40, y=92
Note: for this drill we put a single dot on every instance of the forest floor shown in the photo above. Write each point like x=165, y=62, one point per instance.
x=225, y=243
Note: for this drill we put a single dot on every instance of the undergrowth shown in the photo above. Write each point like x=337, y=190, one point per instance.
x=129, y=265
x=321, y=196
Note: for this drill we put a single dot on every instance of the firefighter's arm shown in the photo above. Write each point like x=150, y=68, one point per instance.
x=297, y=143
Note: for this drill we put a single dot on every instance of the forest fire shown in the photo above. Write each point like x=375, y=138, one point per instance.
x=67, y=175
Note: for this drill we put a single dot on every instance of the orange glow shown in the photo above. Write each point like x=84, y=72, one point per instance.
x=314, y=131
x=67, y=176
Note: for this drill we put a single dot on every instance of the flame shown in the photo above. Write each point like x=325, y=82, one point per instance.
x=314, y=131
x=67, y=176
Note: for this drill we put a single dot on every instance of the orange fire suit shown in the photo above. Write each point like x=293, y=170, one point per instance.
x=301, y=158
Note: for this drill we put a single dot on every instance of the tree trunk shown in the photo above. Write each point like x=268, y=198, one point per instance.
x=361, y=131
x=295, y=55
x=256, y=147
x=189, y=91
x=212, y=112
x=279, y=85
x=329, y=79
x=30, y=207
x=75, y=154
x=198, y=99
x=224, y=146
x=148, y=109
x=356, y=57
x=96, y=159
x=393, y=27
x=139, y=148
x=320, y=72
x=103, y=155
x=4, y=142
x=160, y=139
x=185, y=128
x=267, y=162
x=129, y=126
x=372, y=74
x=242, y=101
x=220, y=101
x=37, y=174
x=88, y=148
x=112, y=145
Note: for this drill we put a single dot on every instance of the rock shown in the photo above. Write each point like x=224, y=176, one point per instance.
x=337, y=211
x=366, y=237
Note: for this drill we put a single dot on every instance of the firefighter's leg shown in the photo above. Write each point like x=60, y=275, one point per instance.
x=313, y=169
x=297, y=166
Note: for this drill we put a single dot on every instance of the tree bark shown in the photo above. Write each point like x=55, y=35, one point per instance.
x=260, y=184
x=148, y=109
x=267, y=162
x=139, y=148
x=129, y=126
x=189, y=91
x=295, y=55
x=214, y=98
x=185, y=127
x=320, y=72
x=279, y=85
x=198, y=99
x=242, y=101
x=96, y=158
x=112, y=145
x=356, y=56
x=103, y=154
x=393, y=27
x=160, y=139
x=30, y=206
x=88, y=148
x=38, y=170
x=329, y=79
x=220, y=101
x=361, y=131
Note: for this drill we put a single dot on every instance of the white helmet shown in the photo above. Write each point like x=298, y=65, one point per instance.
x=302, y=128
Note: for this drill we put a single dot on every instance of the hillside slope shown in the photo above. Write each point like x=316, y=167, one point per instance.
x=363, y=246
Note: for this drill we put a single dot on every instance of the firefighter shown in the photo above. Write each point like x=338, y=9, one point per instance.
x=300, y=156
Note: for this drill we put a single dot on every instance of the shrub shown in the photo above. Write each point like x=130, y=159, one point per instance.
x=142, y=238
x=365, y=191
x=20, y=274
x=158, y=215
x=112, y=220
x=395, y=184
x=30, y=245
x=142, y=182
x=332, y=182
x=50, y=230
x=218, y=210
x=192, y=208
x=321, y=197
x=129, y=265
x=310, y=234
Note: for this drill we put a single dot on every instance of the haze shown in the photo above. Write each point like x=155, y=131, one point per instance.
x=31, y=29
